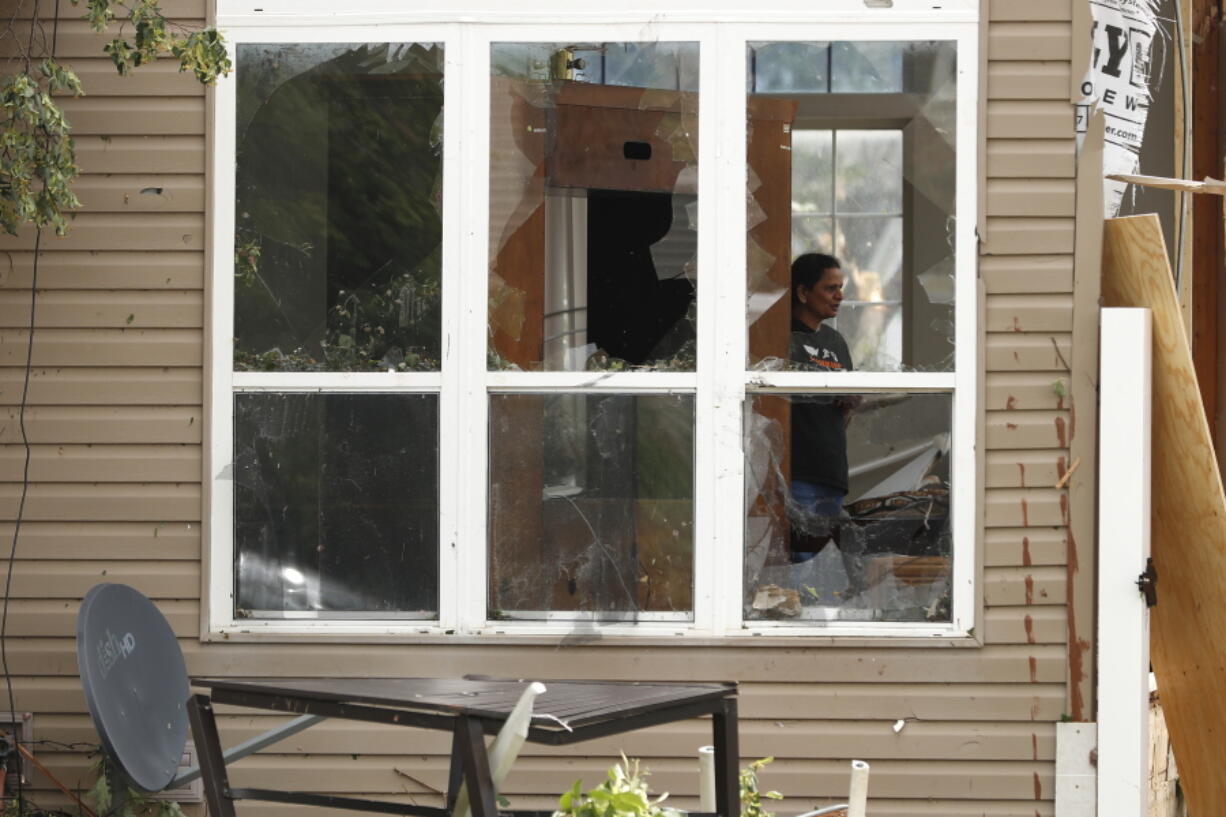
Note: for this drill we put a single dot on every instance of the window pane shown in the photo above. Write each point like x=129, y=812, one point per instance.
x=869, y=170
x=812, y=171
x=591, y=506
x=847, y=507
x=878, y=196
x=790, y=67
x=867, y=68
x=593, y=206
x=336, y=505
x=871, y=251
x=338, y=214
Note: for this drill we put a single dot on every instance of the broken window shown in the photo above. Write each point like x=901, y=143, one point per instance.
x=336, y=505
x=867, y=133
x=593, y=206
x=848, y=500
x=338, y=221
x=462, y=377
x=591, y=506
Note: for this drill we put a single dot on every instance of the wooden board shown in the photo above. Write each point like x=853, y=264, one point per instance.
x=1189, y=519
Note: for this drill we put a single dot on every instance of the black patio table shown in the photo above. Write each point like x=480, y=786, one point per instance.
x=470, y=708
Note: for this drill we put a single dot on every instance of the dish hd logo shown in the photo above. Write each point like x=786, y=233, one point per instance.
x=111, y=649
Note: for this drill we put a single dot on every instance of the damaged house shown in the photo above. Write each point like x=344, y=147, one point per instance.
x=447, y=339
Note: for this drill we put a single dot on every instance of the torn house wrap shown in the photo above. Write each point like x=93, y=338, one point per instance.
x=1117, y=83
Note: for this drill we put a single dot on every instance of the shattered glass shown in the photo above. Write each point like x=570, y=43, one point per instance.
x=868, y=148
x=591, y=506
x=847, y=502
x=338, y=221
x=593, y=194
x=336, y=505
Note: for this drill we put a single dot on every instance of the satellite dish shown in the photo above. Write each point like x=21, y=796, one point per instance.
x=135, y=684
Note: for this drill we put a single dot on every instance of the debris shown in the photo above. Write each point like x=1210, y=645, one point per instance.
x=771, y=598
x=1068, y=474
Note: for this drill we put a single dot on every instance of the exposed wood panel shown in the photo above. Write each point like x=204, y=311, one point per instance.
x=1027, y=429
x=103, y=424
x=116, y=502
x=135, y=116
x=141, y=194
x=1003, y=11
x=1031, y=158
x=1025, y=391
x=105, y=270
x=1009, y=507
x=1031, y=197
x=150, y=386
x=1189, y=517
x=1009, y=586
x=670, y=660
x=1025, y=469
x=1025, y=625
x=1017, y=119
x=103, y=463
x=73, y=309
x=1030, y=41
x=1023, y=236
x=71, y=580
x=1028, y=80
x=112, y=231
x=1016, y=352
x=1029, y=313
x=1017, y=274
x=103, y=347
x=1025, y=546
x=164, y=541
x=140, y=154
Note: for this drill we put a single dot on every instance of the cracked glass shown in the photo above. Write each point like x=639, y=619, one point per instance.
x=847, y=507
x=851, y=155
x=591, y=506
x=338, y=223
x=593, y=206
x=336, y=505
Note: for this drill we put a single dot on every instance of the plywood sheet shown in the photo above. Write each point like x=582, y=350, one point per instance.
x=1189, y=519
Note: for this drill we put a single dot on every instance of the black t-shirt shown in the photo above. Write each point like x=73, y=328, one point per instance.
x=819, y=436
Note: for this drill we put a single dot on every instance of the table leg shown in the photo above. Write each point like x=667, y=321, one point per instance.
x=212, y=762
x=727, y=760
x=455, y=776
x=470, y=738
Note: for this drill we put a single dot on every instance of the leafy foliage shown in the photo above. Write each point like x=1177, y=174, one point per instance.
x=37, y=162
x=37, y=156
x=132, y=804
x=622, y=794
x=751, y=794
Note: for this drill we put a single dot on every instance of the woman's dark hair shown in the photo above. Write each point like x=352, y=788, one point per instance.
x=809, y=268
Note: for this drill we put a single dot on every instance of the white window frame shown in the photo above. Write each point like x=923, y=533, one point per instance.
x=721, y=382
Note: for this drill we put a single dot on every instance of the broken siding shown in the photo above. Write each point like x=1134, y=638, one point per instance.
x=116, y=418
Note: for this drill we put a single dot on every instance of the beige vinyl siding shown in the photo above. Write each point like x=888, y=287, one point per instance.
x=116, y=421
